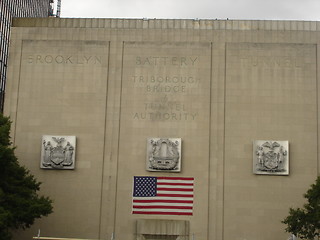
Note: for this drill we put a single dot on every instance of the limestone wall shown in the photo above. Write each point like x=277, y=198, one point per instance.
x=217, y=85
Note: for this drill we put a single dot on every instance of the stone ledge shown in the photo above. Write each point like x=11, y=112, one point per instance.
x=202, y=24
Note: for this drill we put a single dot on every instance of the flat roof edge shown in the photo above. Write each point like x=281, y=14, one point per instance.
x=202, y=24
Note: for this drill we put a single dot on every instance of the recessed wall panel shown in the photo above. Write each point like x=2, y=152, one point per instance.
x=165, y=94
x=270, y=94
x=62, y=91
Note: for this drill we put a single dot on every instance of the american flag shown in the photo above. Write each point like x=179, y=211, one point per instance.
x=163, y=195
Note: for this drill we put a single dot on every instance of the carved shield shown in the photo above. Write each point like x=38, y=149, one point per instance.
x=57, y=156
x=270, y=160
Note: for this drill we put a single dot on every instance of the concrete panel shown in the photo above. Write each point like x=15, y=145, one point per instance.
x=165, y=93
x=270, y=94
x=62, y=91
x=162, y=229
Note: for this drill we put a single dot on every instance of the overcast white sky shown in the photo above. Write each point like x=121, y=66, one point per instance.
x=190, y=9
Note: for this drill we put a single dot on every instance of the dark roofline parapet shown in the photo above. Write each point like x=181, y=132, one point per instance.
x=202, y=24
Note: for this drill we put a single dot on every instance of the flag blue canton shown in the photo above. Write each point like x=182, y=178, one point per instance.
x=145, y=187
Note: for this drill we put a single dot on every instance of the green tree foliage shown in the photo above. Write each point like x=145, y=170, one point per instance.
x=305, y=222
x=20, y=204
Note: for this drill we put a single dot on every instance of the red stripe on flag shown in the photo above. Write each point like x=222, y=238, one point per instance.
x=175, y=189
x=175, y=184
x=175, y=178
x=162, y=201
x=175, y=195
x=164, y=207
x=162, y=213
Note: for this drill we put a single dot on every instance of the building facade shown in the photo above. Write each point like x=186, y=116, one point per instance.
x=104, y=110
x=8, y=10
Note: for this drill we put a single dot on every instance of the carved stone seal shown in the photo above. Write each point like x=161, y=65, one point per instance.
x=58, y=152
x=164, y=154
x=271, y=157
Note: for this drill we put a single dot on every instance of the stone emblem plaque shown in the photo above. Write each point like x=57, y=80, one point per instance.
x=58, y=152
x=164, y=154
x=271, y=157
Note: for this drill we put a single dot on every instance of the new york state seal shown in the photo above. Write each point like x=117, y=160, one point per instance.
x=58, y=152
x=271, y=157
